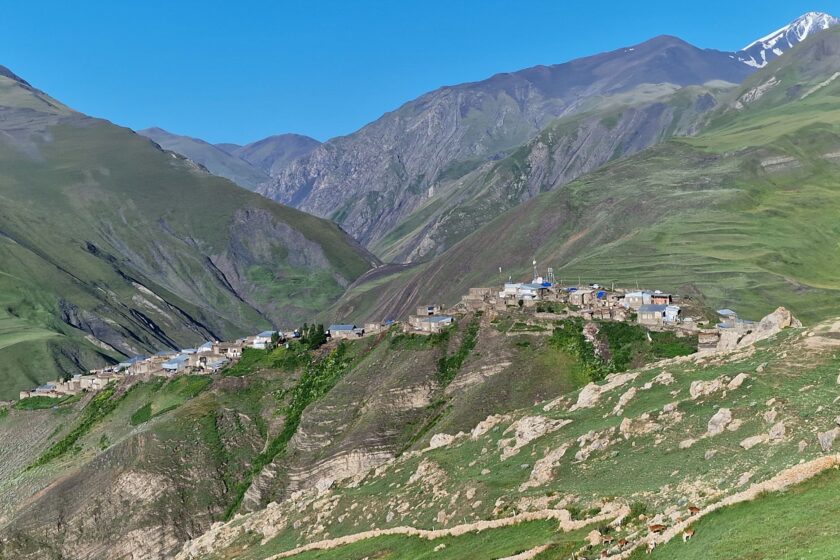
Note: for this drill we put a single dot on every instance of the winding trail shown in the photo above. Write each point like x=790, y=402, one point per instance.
x=560, y=515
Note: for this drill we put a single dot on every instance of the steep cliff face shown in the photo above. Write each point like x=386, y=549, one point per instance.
x=614, y=127
x=114, y=247
x=371, y=180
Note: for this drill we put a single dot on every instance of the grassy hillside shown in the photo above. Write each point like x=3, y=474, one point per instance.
x=742, y=214
x=604, y=129
x=653, y=426
x=193, y=450
x=216, y=160
x=113, y=247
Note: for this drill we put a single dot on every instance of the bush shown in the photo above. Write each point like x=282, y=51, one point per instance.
x=37, y=403
x=98, y=408
x=637, y=509
x=141, y=415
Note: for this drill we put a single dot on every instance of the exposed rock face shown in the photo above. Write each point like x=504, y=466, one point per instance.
x=752, y=441
x=704, y=388
x=542, y=471
x=591, y=393
x=826, y=439
x=737, y=381
x=372, y=179
x=719, y=421
x=770, y=325
x=525, y=430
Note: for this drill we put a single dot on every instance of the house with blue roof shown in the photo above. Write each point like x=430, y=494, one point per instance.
x=263, y=340
x=176, y=365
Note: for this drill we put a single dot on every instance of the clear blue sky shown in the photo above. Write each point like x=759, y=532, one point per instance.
x=240, y=71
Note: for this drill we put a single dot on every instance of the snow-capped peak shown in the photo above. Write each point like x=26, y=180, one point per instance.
x=760, y=52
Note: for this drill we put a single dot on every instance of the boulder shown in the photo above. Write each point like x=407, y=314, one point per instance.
x=826, y=439
x=751, y=442
x=777, y=432
x=770, y=416
x=769, y=326
x=737, y=381
x=703, y=388
x=719, y=421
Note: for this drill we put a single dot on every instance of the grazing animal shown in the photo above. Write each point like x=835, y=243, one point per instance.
x=693, y=510
x=651, y=545
x=606, y=539
x=622, y=543
x=657, y=528
x=688, y=533
x=604, y=554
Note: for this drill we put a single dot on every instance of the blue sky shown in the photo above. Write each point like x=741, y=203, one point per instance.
x=240, y=71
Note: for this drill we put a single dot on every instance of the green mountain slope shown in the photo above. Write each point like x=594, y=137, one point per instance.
x=606, y=128
x=215, y=159
x=715, y=432
x=194, y=450
x=111, y=247
x=744, y=213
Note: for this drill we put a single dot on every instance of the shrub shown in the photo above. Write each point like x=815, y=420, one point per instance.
x=637, y=509
x=141, y=415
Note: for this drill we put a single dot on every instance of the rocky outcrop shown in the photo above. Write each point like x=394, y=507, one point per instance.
x=375, y=178
x=526, y=430
x=718, y=422
x=769, y=326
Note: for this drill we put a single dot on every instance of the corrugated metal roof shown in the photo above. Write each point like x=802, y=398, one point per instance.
x=653, y=308
x=342, y=327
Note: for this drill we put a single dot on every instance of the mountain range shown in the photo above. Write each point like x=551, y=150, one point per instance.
x=712, y=175
x=421, y=185
x=414, y=182
x=112, y=247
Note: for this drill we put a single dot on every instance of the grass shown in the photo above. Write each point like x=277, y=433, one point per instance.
x=316, y=380
x=37, y=403
x=76, y=240
x=791, y=525
x=96, y=410
x=494, y=543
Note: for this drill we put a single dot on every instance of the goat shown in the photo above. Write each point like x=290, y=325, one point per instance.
x=622, y=543
x=693, y=510
x=657, y=528
x=606, y=539
x=651, y=545
x=688, y=533
x=605, y=554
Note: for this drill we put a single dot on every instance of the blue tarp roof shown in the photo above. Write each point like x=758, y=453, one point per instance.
x=600, y=294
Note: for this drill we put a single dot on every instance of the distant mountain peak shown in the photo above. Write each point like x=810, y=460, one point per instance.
x=6, y=73
x=761, y=51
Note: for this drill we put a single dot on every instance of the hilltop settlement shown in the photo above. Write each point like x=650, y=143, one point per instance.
x=539, y=301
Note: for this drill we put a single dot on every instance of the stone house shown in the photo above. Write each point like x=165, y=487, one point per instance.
x=651, y=314
x=635, y=300
x=338, y=332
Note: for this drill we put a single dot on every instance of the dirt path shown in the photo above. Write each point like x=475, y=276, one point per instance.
x=560, y=515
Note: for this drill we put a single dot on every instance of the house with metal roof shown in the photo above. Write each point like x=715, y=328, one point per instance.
x=177, y=364
x=263, y=340
x=340, y=331
x=651, y=314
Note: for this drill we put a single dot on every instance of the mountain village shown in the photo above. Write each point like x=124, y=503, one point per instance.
x=538, y=303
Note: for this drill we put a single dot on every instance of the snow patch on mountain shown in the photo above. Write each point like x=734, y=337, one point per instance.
x=758, y=53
